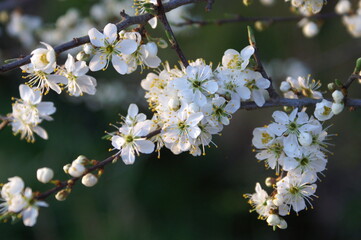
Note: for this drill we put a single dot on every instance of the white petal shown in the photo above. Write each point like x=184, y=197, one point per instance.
x=110, y=32
x=145, y=146
x=119, y=64
x=152, y=62
x=29, y=216
x=153, y=22
x=41, y=132
x=280, y=117
x=96, y=37
x=128, y=155
x=118, y=142
x=127, y=46
x=98, y=62
x=70, y=63
x=258, y=97
x=247, y=52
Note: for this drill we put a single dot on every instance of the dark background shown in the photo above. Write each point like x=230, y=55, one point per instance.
x=183, y=197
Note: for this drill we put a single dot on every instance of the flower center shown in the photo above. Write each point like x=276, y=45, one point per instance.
x=196, y=84
x=304, y=161
x=266, y=138
x=182, y=126
x=44, y=59
x=294, y=190
x=129, y=139
x=326, y=110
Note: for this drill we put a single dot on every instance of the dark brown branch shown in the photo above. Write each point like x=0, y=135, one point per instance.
x=173, y=41
x=239, y=18
x=128, y=21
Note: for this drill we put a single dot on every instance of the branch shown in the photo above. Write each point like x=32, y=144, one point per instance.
x=128, y=21
x=239, y=18
x=298, y=103
x=100, y=165
x=173, y=41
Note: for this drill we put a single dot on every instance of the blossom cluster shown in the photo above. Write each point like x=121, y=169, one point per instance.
x=351, y=19
x=19, y=202
x=295, y=146
x=190, y=104
x=307, y=7
x=29, y=112
x=125, y=50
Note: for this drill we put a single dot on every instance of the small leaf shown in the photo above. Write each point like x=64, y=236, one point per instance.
x=251, y=38
x=358, y=66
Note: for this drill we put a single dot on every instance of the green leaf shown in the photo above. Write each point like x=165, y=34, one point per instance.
x=358, y=66
x=251, y=38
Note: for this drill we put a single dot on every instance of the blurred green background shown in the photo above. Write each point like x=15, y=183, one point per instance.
x=183, y=197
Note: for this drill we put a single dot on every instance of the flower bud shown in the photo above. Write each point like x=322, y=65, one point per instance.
x=273, y=220
x=305, y=139
x=310, y=29
x=66, y=168
x=62, y=195
x=267, y=2
x=174, y=104
x=162, y=43
x=88, y=48
x=270, y=181
x=343, y=7
x=89, y=180
x=337, y=96
x=282, y=224
x=44, y=175
x=285, y=86
x=81, y=160
x=247, y=2
x=331, y=86
x=82, y=56
x=337, y=108
x=76, y=169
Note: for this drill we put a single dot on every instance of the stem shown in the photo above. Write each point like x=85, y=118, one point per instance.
x=129, y=21
x=239, y=18
x=173, y=41
x=100, y=165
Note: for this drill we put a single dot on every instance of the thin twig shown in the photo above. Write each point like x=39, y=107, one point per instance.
x=100, y=165
x=239, y=18
x=173, y=41
x=129, y=21
x=209, y=5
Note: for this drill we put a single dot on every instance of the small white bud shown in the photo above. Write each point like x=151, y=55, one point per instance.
x=267, y=2
x=305, y=139
x=285, y=86
x=76, y=169
x=337, y=108
x=44, y=175
x=88, y=48
x=82, y=56
x=282, y=224
x=174, y=104
x=337, y=96
x=343, y=7
x=89, y=180
x=310, y=29
x=81, y=160
x=273, y=220
x=331, y=86
x=66, y=168
x=269, y=181
x=62, y=195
